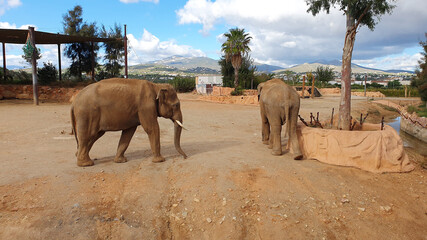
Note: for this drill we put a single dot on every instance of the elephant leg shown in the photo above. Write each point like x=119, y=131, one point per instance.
x=153, y=131
x=275, y=139
x=265, y=127
x=85, y=144
x=293, y=138
x=123, y=144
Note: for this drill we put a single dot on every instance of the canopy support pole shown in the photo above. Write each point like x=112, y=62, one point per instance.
x=34, y=66
x=93, y=62
x=59, y=62
x=4, y=61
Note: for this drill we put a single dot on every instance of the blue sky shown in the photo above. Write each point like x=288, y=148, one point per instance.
x=283, y=33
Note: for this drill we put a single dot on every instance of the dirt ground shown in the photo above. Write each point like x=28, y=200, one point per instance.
x=230, y=186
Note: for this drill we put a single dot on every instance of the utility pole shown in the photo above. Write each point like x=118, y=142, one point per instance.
x=125, y=39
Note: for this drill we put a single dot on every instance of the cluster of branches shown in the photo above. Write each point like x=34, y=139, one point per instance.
x=420, y=81
x=81, y=53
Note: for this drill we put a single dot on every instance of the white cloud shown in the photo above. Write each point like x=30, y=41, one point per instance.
x=8, y=4
x=283, y=31
x=401, y=62
x=149, y=48
x=135, y=1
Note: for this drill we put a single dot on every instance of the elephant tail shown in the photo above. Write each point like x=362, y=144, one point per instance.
x=73, y=125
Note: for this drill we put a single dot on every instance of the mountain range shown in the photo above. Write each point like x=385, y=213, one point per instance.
x=204, y=65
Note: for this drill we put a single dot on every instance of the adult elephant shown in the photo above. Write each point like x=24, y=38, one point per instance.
x=279, y=104
x=123, y=104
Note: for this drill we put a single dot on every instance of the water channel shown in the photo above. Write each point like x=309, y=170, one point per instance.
x=409, y=141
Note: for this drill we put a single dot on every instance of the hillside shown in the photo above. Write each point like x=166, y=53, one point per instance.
x=335, y=65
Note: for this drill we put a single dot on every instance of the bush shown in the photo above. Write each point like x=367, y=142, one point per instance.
x=411, y=109
x=398, y=92
x=184, y=84
x=237, y=92
x=47, y=74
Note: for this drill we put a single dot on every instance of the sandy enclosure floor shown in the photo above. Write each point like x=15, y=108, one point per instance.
x=230, y=187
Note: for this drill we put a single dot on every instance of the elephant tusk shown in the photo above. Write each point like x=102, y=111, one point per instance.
x=180, y=124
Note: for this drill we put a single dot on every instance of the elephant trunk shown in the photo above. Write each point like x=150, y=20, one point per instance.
x=177, y=136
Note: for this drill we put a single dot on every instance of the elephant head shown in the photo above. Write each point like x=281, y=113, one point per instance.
x=169, y=107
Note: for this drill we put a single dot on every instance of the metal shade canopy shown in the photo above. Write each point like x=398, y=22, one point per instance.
x=19, y=36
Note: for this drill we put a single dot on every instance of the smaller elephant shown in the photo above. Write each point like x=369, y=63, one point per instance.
x=279, y=105
x=122, y=105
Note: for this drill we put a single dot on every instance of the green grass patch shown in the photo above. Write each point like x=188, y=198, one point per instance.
x=421, y=110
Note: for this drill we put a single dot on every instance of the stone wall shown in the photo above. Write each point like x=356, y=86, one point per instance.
x=60, y=94
x=242, y=100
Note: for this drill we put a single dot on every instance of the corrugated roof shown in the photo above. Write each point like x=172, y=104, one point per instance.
x=19, y=36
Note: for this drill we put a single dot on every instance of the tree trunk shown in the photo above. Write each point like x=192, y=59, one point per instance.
x=236, y=77
x=345, y=101
x=236, y=62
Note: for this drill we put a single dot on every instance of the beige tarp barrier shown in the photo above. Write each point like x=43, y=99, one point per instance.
x=371, y=150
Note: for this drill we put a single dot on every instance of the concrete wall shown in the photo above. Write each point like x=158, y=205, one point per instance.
x=412, y=129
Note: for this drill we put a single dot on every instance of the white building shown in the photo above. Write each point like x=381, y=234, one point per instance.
x=204, y=84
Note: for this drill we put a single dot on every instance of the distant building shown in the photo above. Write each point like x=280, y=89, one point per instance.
x=204, y=84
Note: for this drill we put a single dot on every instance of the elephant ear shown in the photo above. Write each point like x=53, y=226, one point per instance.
x=259, y=88
x=161, y=95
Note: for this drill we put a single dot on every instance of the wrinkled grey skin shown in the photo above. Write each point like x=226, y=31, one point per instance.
x=123, y=104
x=279, y=104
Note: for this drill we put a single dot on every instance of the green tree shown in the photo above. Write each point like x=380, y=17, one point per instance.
x=394, y=84
x=183, y=84
x=114, y=51
x=324, y=75
x=80, y=53
x=420, y=81
x=288, y=75
x=374, y=85
x=235, y=48
x=47, y=74
x=358, y=13
x=246, y=74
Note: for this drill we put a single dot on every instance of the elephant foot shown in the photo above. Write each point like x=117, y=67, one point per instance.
x=85, y=163
x=158, y=159
x=121, y=159
x=299, y=157
x=266, y=142
x=276, y=152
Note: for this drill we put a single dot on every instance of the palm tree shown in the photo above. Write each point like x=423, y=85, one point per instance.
x=234, y=48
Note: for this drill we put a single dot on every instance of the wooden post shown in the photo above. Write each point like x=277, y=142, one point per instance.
x=59, y=62
x=34, y=65
x=303, y=86
x=406, y=91
x=125, y=39
x=4, y=61
x=366, y=76
x=312, y=87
